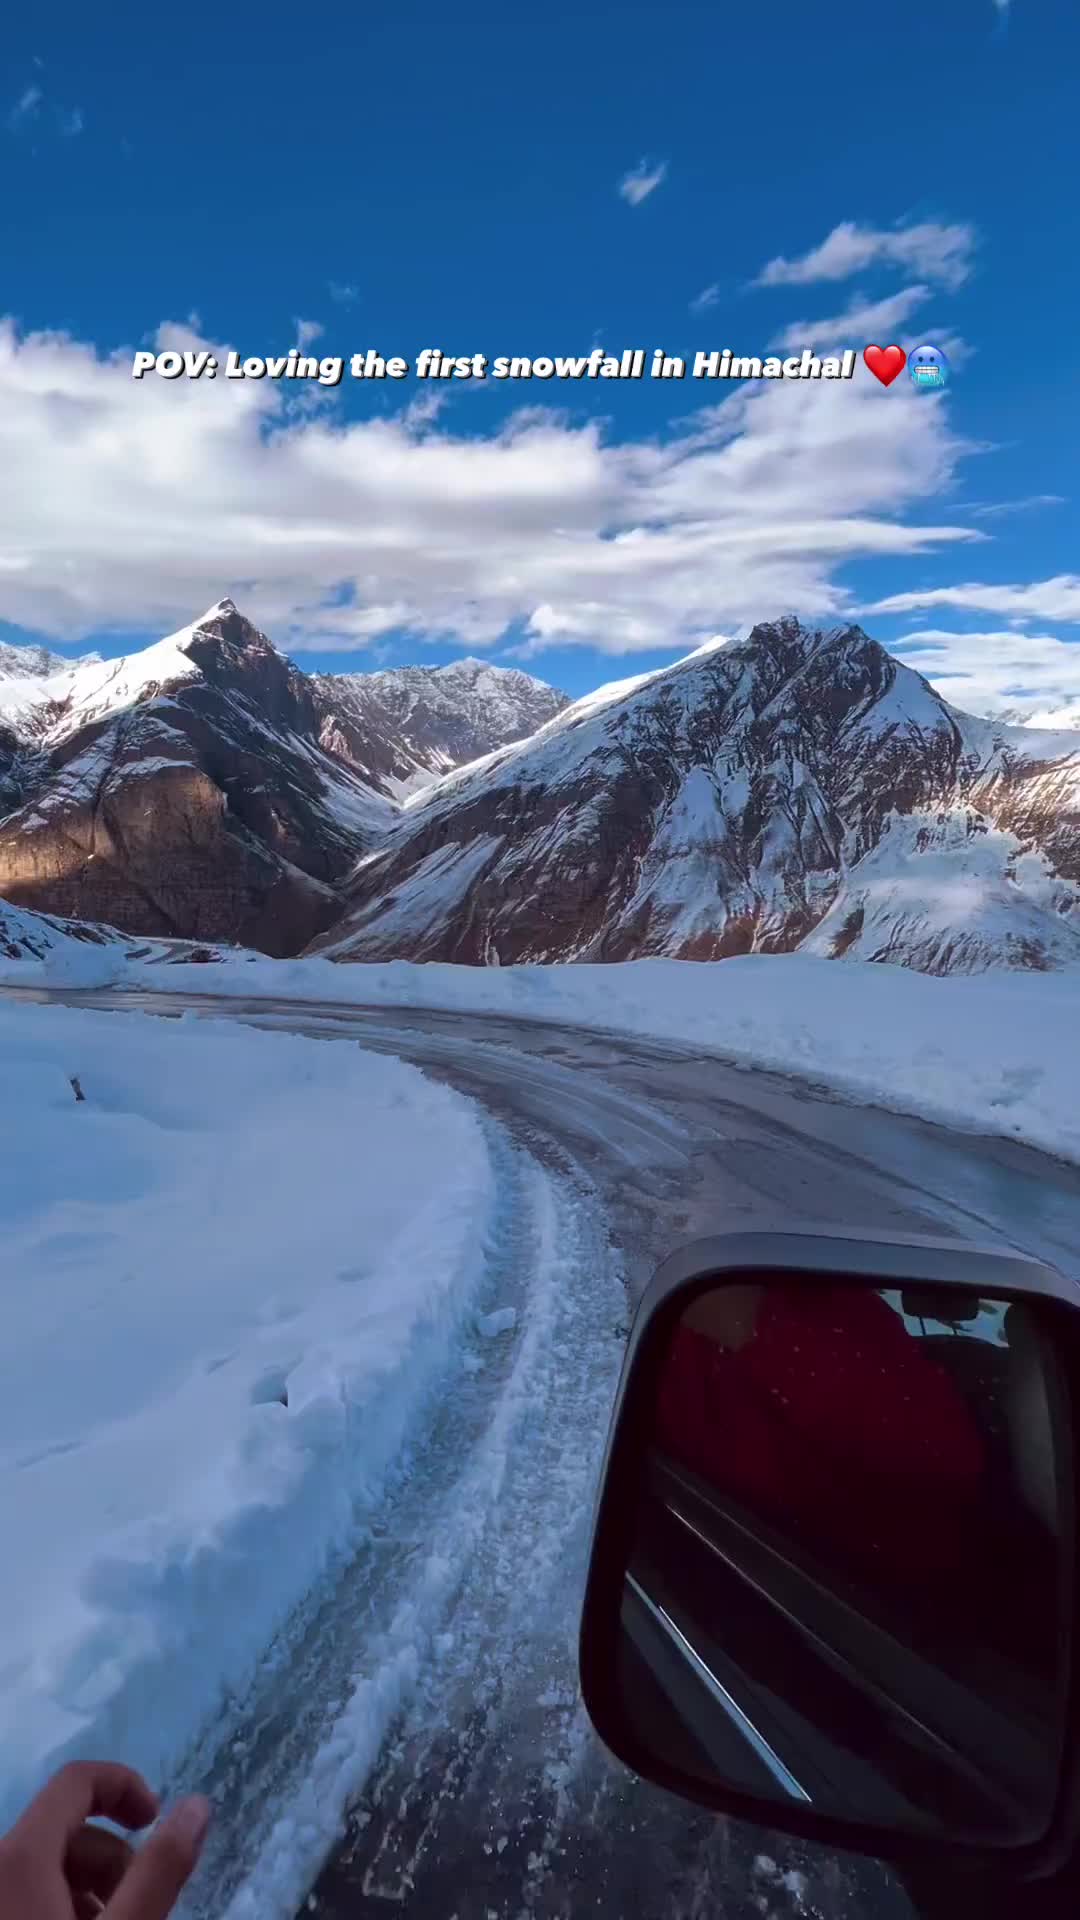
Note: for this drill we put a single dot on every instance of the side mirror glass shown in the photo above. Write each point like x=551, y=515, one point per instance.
x=844, y=1528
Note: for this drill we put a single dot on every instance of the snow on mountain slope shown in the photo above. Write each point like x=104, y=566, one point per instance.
x=948, y=897
x=22, y=664
x=45, y=708
x=405, y=726
x=791, y=787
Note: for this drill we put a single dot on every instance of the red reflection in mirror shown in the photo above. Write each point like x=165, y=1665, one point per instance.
x=816, y=1407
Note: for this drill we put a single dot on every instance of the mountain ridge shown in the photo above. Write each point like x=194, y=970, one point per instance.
x=432, y=719
x=797, y=789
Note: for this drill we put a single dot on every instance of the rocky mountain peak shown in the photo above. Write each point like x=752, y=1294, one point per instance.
x=225, y=627
x=787, y=651
x=234, y=656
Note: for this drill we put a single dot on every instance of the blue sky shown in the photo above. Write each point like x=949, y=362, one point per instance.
x=474, y=181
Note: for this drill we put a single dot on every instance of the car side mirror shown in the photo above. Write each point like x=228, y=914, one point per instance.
x=832, y=1586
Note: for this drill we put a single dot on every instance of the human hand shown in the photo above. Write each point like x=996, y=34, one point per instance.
x=55, y=1866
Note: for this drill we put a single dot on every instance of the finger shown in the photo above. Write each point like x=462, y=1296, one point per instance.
x=96, y=1862
x=161, y=1869
x=85, y=1907
x=83, y=1788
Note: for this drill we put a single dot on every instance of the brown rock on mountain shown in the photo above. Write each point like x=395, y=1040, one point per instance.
x=184, y=793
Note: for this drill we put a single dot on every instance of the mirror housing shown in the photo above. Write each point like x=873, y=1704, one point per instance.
x=675, y=1693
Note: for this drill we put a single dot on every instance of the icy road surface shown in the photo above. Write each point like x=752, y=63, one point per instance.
x=439, y=1676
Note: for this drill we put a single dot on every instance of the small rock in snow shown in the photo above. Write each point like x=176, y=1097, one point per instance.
x=490, y=1324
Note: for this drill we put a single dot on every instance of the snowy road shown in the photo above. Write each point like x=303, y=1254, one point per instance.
x=441, y=1670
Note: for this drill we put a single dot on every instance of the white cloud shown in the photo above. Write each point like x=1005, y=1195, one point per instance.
x=426, y=407
x=864, y=321
x=32, y=110
x=1033, y=673
x=936, y=251
x=25, y=109
x=708, y=297
x=132, y=504
x=308, y=331
x=345, y=295
x=1056, y=599
x=998, y=509
x=642, y=180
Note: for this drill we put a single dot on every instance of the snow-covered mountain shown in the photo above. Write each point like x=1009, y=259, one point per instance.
x=1044, y=717
x=206, y=788
x=31, y=663
x=181, y=792
x=798, y=789
x=404, y=727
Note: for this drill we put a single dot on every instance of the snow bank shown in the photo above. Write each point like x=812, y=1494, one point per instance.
x=231, y=1273
x=69, y=946
x=998, y=1053
x=994, y=1053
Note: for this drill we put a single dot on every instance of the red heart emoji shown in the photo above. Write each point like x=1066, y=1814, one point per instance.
x=885, y=362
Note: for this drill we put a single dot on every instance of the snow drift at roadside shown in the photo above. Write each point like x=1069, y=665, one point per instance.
x=231, y=1275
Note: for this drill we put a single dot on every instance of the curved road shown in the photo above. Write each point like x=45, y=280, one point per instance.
x=490, y=1799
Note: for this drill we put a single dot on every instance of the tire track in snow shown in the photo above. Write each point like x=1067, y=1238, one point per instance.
x=302, y=1742
x=505, y=1684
